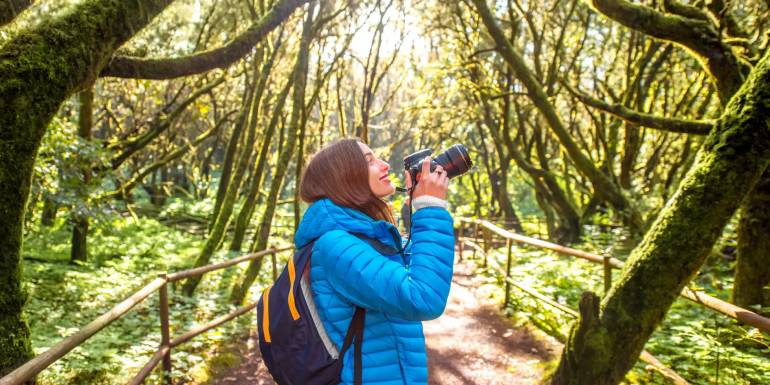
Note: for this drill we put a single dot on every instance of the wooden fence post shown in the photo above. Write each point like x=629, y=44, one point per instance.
x=487, y=240
x=507, y=300
x=459, y=241
x=475, y=236
x=165, y=333
x=607, y=274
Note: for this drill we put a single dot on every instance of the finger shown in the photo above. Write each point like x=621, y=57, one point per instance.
x=425, y=168
x=444, y=179
x=439, y=169
x=408, y=178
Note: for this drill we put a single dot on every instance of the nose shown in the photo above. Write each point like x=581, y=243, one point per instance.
x=384, y=166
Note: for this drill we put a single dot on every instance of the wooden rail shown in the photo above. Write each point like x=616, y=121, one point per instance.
x=745, y=316
x=34, y=366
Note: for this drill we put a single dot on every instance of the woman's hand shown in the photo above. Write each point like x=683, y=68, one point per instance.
x=430, y=183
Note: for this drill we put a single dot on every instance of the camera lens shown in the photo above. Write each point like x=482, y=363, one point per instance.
x=454, y=160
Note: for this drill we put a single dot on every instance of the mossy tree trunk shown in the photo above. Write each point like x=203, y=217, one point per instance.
x=549, y=194
x=752, y=270
x=241, y=288
x=80, y=223
x=50, y=208
x=499, y=179
x=231, y=153
x=608, y=338
x=39, y=69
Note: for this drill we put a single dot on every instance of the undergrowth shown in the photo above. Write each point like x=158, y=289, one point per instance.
x=126, y=253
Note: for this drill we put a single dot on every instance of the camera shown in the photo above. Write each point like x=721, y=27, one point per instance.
x=454, y=160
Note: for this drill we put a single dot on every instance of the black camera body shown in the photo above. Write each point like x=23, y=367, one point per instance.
x=455, y=161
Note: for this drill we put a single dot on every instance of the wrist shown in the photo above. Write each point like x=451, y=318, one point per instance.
x=429, y=201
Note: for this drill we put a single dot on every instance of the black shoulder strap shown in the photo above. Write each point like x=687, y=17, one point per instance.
x=381, y=248
x=356, y=330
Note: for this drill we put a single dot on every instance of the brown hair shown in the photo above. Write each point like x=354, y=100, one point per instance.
x=339, y=172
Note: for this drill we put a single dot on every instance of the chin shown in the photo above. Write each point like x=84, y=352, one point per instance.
x=387, y=192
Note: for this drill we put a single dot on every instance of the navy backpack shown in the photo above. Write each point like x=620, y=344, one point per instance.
x=294, y=344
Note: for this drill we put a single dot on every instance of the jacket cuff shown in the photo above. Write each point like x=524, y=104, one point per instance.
x=429, y=201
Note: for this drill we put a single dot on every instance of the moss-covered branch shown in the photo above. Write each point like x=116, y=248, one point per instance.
x=698, y=35
x=9, y=9
x=40, y=67
x=684, y=126
x=684, y=10
x=221, y=57
x=731, y=161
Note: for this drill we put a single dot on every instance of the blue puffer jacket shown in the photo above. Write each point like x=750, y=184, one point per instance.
x=396, y=293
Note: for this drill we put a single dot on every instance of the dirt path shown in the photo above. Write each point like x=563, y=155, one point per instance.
x=470, y=344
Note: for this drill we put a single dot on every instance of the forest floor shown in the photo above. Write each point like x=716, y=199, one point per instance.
x=470, y=344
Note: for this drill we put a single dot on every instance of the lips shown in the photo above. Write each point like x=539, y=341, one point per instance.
x=384, y=178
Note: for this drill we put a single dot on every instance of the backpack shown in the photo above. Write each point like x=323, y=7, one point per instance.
x=294, y=344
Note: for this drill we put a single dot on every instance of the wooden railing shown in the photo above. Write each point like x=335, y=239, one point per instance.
x=743, y=315
x=34, y=366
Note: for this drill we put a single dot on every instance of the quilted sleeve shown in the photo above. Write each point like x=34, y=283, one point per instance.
x=370, y=280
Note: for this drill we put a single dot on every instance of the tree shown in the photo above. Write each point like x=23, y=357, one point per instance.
x=241, y=287
x=608, y=338
x=79, y=250
x=40, y=67
x=602, y=184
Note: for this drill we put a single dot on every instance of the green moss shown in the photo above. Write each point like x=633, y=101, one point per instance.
x=39, y=68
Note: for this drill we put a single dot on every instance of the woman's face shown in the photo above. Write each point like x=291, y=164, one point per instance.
x=379, y=182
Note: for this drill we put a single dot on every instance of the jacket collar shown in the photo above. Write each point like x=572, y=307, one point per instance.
x=324, y=215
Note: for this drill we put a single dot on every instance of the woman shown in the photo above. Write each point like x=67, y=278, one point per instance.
x=345, y=183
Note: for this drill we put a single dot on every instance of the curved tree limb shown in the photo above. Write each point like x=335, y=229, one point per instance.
x=9, y=9
x=221, y=57
x=698, y=35
x=683, y=126
x=684, y=10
